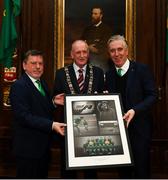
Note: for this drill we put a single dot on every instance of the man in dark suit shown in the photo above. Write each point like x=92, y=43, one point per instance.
x=33, y=120
x=68, y=80
x=135, y=83
x=96, y=35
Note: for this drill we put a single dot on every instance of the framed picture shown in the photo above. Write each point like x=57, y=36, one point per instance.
x=72, y=17
x=96, y=135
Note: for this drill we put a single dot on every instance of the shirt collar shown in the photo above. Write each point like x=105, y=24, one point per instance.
x=76, y=68
x=32, y=79
x=124, y=67
x=98, y=24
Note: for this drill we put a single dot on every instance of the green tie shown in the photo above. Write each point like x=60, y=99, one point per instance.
x=40, y=88
x=119, y=72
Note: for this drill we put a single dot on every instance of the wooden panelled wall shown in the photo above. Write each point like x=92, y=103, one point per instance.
x=36, y=28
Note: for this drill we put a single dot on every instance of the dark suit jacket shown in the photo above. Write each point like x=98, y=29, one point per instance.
x=32, y=118
x=140, y=96
x=61, y=85
x=97, y=35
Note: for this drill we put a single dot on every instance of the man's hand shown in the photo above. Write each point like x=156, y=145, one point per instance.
x=59, y=128
x=128, y=116
x=59, y=99
x=105, y=92
x=93, y=49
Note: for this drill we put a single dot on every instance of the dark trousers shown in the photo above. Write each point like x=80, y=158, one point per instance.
x=141, y=157
x=29, y=168
x=73, y=174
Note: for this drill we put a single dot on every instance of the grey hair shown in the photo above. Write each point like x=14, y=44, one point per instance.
x=116, y=38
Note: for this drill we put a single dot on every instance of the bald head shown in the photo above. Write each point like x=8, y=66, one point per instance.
x=80, y=52
x=78, y=43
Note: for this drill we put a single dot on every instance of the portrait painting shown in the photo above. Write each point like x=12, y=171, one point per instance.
x=72, y=19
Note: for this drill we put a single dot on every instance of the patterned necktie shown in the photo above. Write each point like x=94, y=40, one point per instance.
x=119, y=72
x=40, y=88
x=80, y=80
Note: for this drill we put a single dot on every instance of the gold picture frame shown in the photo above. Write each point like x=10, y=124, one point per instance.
x=59, y=35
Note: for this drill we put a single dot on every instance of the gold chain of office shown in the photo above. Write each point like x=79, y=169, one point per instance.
x=89, y=91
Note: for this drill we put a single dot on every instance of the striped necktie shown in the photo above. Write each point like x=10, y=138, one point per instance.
x=40, y=88
x=80, y=79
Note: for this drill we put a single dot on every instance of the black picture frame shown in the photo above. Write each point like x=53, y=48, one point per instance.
x=96, y=135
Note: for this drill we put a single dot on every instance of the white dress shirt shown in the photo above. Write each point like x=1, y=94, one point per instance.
x=76, y=68
x=124, y=68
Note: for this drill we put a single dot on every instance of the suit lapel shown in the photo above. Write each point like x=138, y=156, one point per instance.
x=112, y=79
x=45, y=101
x=45, y=89
x=131, y=76
x=87, y=76
x=73, y=79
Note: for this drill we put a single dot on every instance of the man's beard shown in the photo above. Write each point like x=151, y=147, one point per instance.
x=95, y=21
